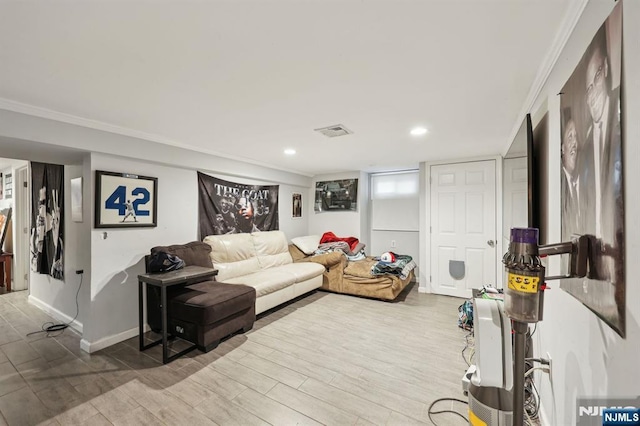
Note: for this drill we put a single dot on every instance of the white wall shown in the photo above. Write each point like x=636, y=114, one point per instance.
x=292, y=227
x=589, y=358
x=364, y=208
x=297, y=227
x=341, y=223
x=117, y=260
x=423, y=233
x=407, y=242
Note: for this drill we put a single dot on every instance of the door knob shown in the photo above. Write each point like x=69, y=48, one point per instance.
x=491, y=243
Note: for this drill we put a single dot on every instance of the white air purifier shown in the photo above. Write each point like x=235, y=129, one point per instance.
x=490, y=397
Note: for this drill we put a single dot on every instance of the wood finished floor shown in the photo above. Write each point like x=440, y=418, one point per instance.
x=324, y=359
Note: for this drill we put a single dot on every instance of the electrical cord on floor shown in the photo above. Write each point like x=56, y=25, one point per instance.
x=466, y=346
x=51, y=327
x=429, y=412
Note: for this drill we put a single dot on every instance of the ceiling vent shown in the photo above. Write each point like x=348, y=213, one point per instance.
x=334, y=131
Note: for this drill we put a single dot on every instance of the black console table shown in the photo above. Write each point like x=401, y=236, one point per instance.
x=185, y=276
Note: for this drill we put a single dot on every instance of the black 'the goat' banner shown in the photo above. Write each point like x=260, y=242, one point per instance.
x=228, y=207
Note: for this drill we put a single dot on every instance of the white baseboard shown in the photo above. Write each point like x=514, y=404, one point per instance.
x=422, y=290
x=77, y=326
x=105, y=342
x=60, y=316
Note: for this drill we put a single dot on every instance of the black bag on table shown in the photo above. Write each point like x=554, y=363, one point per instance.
x=161, y=261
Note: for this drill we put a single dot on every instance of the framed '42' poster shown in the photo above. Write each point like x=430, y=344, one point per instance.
x=125, y=200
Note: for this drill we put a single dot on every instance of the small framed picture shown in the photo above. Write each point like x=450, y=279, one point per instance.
x=8, y=186
x=125, y=200
x=296, y=205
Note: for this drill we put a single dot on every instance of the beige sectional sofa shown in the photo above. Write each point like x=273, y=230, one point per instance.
x=262, y=260
x=354, y=278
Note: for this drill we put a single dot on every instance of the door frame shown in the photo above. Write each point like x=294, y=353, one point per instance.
x=425, y=279
x=22, y=251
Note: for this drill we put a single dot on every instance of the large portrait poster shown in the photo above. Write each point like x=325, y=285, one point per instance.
x=228, y=207
x=47, y=219
x=592, y=184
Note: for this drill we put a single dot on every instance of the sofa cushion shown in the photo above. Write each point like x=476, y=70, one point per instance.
x=308, y=244
x=208, y=302
x=303, y=271
x=266, y=281
x=296, y=253
x=271, y=248
x=233, y=255
x=194, y=253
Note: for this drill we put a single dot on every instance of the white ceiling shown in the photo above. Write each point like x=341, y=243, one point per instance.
x=249, y=78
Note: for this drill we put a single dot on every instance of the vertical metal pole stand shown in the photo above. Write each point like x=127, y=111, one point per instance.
x=521, y=329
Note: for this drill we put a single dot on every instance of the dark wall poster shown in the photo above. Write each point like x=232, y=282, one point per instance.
x=336, y=195
x=592, y=184
x=228, y=207
x=47, y=221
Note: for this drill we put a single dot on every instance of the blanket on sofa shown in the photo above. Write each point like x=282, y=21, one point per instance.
x=361, y=268
x=370, y=267
x=330, y=237
x=402, y=267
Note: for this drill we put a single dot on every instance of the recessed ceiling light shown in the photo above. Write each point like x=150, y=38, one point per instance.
x=290, y=151
x=418, y=131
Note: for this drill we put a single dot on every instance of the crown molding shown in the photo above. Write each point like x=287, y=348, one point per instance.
x=569, y=22
x=35, y=111
x=31, y=110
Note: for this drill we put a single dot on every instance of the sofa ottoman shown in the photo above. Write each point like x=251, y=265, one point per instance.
x=195, y=253
x=207, y=312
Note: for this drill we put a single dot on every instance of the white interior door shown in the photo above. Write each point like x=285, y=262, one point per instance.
x=463, y=226
x=21, y=250
x=515, y=213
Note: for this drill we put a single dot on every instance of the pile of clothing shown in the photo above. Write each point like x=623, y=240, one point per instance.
x=350, y=246
x=394, y=264
x=465, y=315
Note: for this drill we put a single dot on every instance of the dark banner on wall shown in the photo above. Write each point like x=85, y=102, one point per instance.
x=228, y=207
x=47, y=221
